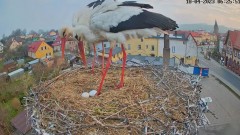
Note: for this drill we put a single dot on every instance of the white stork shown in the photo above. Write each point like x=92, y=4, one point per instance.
x=118, y=22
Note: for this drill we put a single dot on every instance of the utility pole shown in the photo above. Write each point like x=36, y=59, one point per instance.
x=166, y=51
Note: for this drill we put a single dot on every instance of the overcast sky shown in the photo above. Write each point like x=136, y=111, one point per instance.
x=48, y=14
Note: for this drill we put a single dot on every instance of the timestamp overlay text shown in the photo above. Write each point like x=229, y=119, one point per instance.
x=213, y=2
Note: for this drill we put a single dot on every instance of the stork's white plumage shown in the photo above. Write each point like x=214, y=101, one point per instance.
x=118, y=22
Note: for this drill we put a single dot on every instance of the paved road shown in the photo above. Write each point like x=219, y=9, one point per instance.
x=226, y=107
x=225, y=75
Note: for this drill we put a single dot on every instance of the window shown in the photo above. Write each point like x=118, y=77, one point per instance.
x=41, y=48
x=235, y=53
x=146, y=46
x=141, y=39
x=104, y=45
x=50, y=54
x=139, y=47
x=129, y=47
x=173, y=49
x=152, y=48
x=239, y=54
x=45, y=48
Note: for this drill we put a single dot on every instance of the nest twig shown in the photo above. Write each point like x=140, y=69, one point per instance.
x=152, y=101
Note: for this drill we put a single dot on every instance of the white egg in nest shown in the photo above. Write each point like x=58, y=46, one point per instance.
x=85, y=94
x=92, y=93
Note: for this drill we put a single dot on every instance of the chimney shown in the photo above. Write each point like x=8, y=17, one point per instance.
x=166, y=51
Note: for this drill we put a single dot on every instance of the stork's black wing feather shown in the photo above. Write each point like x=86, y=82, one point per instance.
x=95, y=3
x=134, y=4
x=146, y=19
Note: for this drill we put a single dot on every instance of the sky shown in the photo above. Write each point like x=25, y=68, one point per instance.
x=54, y=14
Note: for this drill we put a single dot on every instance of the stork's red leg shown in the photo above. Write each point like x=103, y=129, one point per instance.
x=94, y=58
x=82, y=53
x=63, y=47
x=105, y=71
x=120, y=85
x=102, y=57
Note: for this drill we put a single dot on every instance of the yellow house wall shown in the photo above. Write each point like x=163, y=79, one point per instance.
x=115, y=57
x=144, y=51
x=210, y=37
x=190, y=61
x=42, y=53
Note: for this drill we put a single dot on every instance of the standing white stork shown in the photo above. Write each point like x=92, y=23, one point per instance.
x=119, y=21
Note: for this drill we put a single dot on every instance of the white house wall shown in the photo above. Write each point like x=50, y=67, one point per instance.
x=191, y=49
x=177, y=47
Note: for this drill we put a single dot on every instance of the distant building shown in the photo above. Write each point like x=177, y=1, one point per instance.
x=231, y=51
x=216, y=29
x=116, y=54
x=153, y=47
x=57, y=45
x=181, y=47
x=71, y=46
x=143, y=46
x=16, y=42
x=40, y=49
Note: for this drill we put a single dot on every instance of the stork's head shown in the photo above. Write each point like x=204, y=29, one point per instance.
x=65, y=32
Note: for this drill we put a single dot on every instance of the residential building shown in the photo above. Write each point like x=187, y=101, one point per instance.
x=154, y=47
x=116, y=54
x=231, y=51
x=1, y=47
x=57, y=45
x=184, y=49
x=197, y=37
x=71, y=47
x=16, y=42
x=40, y=49
x=143, y=46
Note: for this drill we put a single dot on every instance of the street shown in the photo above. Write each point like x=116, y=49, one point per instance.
x=225, y=105
x=228, y=77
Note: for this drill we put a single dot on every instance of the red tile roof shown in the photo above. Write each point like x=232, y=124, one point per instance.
x=192, y=37
x=182, y=32
x=34, y=46
x=195, y=34
x=234, y=37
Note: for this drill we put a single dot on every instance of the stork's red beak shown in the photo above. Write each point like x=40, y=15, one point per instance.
x=63, y=47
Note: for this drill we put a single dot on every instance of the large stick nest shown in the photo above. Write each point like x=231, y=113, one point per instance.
x=152, y=101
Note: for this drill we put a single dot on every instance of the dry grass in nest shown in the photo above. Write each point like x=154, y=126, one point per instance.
x=151, y=101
